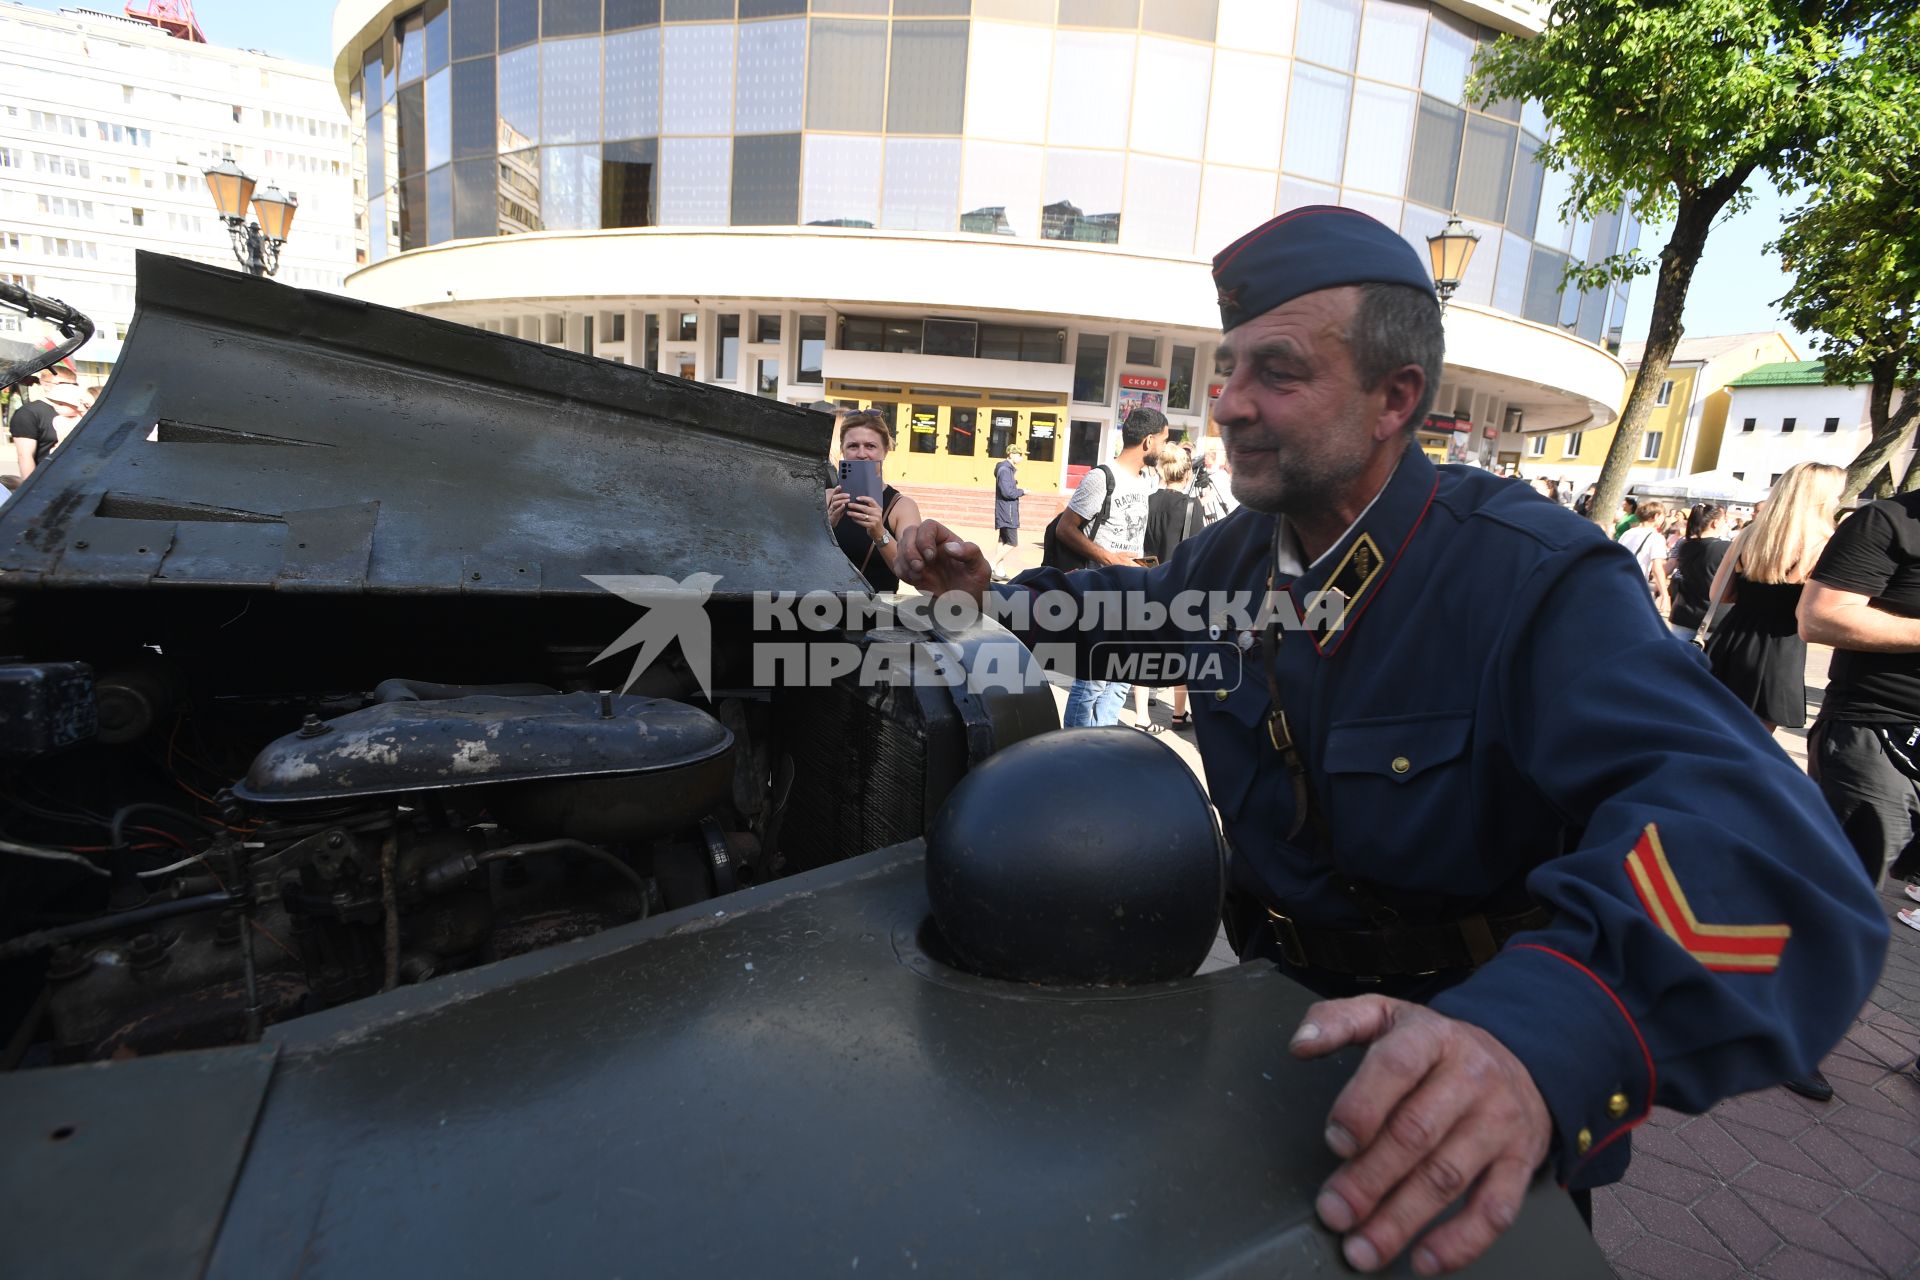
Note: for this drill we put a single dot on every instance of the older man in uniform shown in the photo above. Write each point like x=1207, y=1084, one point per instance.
x=1546, y=868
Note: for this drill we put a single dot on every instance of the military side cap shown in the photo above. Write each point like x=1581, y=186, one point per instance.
x=1319, y=246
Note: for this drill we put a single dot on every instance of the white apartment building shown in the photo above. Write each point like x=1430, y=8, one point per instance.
x=1785, y=413
x=106, y=126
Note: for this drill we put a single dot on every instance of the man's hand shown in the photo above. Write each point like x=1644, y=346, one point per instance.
x=936, y=561
x=1438, y=1109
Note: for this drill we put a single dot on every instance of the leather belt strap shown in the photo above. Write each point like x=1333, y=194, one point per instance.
x=1401, y=950
x=1279, y=732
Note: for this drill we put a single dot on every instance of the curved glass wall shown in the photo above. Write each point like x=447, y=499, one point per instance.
x=1168, y=126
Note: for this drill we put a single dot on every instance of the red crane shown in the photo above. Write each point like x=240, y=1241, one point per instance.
x=175, y=17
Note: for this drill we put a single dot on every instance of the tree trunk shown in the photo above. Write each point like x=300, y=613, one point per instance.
x=1890, y=432
x=1692, y=221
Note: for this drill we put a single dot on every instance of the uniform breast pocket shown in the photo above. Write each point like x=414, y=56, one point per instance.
x=1399, y=797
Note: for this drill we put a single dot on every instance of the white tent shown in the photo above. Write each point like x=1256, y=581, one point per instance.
x=1707, y=486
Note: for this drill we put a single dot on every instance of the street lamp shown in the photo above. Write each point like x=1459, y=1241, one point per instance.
x=255, y=244
x=1450, y=251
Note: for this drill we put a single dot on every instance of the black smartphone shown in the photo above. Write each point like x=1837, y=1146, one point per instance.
x=860, y=477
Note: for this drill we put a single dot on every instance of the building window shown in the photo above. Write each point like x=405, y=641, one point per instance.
x=1776, y=479
x=1042, y=430
x=689, y=328
x=650, y=340
x=140, y=220
x=1083, y=443
x=1180, y=384
x=1143, y=351
x=1650, y=446
x=1573, y=444
x=1786, y=425
x=766, y=328
x=1666, y=393
x=1537, y=447
x=1831, y=424
x=923, y=428
x=1746, y=424
x=1090, y=369
x=617, y=329
x=1739, y=475
x=960, y=433
x=767, y=382
x=813, y=349
x=726, y=350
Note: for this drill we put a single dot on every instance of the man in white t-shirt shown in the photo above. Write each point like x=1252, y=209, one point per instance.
x=1649, y=546
x=1117, y=539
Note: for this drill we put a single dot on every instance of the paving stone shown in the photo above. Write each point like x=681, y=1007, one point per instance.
x=1864, y=1226
x=1769, y=1115
x=1839, y=1066
x=1793, y=1263
x=1671, y=1145
x=1838, y=1156
x=1668, y=1181
x=1613, y=1227
x=1885, y=1124
x=1723, y=1154
x=1771, y=1149
x=1670, y=1221
x=1657, y=1257
x=1800, y=1229
x=1884, y=1157
x=1790, y=1188
x=1738, y=1228
x=1892, y=1189
x=1904, y=1218
x=1883, y=1047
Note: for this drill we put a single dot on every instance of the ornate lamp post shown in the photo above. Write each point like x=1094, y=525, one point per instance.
x=1450, y=251
x=255, y=244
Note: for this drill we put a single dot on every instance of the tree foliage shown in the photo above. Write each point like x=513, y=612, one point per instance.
x=1854, y=250
x=1670, y=107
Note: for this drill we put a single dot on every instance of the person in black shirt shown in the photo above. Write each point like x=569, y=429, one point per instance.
x=1696, y=562
x=1864, y=749
x=33, y=435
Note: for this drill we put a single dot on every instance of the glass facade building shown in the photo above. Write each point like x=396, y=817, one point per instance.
x=1162, y=127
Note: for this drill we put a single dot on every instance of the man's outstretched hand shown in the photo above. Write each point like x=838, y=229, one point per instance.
x=934, y=559
x=1438, y=1109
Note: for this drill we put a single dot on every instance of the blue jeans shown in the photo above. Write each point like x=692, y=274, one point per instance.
x=1096, y=702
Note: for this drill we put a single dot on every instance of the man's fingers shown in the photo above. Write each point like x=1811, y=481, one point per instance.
x=1390, y=1134
x=1335, y=1024
x=1423, y=1189
x=1493, y=1208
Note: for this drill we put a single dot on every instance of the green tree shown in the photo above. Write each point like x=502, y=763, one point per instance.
x=1671, y=106
x=1854, y=249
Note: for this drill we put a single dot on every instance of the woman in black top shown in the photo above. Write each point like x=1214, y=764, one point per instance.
x=864, y=528
x=1696, y=560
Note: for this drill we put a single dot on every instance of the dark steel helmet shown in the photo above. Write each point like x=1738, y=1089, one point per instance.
x=1078, y=858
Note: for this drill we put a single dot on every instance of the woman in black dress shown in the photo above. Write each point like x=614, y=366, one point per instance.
x=866, y=529
x=1755, y=647
x=1696, y=562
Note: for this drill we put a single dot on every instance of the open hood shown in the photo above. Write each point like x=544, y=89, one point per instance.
x=259, y=436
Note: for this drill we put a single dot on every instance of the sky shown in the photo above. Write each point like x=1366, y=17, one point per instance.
x=1733, y=290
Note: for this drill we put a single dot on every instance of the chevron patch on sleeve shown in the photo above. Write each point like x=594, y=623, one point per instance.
x=1727, y=948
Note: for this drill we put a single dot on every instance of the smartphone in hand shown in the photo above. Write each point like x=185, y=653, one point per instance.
x=860, y=477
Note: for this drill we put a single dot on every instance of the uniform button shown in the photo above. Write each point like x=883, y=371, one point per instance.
x=1617, y=1105
x=1219, y=695
x=1213, y=633
x=1401, y=764
x=1584, y=1143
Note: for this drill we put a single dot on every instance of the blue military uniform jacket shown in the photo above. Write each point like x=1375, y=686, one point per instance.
x=1500, y=713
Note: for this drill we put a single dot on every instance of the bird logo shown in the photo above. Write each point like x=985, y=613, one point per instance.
x=675, y=610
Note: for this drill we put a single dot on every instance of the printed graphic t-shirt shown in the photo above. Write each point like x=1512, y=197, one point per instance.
x=1125, y=531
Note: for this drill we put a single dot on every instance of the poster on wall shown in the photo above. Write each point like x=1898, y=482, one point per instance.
x=1457, y=446
x=925, y=424
x=1132, y=398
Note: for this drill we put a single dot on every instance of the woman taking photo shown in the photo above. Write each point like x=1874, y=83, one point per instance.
x=1755, y=647
x=864, y=528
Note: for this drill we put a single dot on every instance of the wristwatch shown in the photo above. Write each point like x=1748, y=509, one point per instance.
x=885, y=537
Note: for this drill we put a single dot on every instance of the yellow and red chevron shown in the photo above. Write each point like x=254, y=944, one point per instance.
x=1729, y=948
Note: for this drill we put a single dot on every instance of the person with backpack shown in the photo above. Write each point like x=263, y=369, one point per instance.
x=1105, y=522
x=1648, y=543
x=1173, y=516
